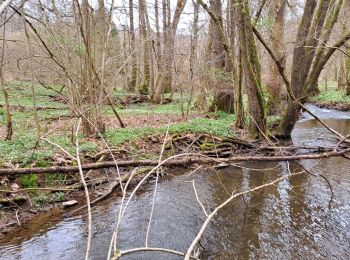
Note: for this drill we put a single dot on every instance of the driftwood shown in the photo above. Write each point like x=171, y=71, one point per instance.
x=187, y=159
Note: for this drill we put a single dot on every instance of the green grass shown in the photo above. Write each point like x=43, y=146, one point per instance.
x=29, y=180
x=221, y=126
x=148, y=108
x=21, y=149
x=173, y=108
x=335, y=96
x=20, y=94
x=329, y=93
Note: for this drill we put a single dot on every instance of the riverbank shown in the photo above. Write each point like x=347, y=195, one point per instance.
x=103, y=178
x=26, y=195
x=299, y=205
x=331, y=97
x=52, y=189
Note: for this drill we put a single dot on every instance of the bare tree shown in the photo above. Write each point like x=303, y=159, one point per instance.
x=165, y=73
x=6, y=106
x=132, y=83
x=32, y=87
x=146, y=49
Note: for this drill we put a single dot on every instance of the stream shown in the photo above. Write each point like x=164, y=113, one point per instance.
x=295, y=219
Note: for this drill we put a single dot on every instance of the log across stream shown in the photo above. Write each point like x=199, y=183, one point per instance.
x=297, y=218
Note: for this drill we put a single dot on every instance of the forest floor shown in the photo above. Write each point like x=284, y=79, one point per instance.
x=24, y=196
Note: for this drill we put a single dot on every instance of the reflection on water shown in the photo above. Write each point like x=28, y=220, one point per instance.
x=291, y=220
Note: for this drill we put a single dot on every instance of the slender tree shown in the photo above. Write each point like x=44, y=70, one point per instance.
x=252, y=72
x=146, y=48
x=165, y=73
x=6, y=106
x=133, y=80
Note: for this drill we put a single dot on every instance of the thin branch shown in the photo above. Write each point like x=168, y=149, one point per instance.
x=58, y=146
x=152, y=249
x=199, y=201
x=155, y=188
x=215, y=211
x=5, y=4
x=86, y=193
x=37, y=188
x=258, y=13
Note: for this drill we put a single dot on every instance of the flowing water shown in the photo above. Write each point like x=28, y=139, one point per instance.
x=295, y=219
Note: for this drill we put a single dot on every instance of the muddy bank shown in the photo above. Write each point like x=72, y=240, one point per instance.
x=332, y=105
x=102, y=184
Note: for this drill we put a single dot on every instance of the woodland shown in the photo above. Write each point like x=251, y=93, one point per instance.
x=112, y=93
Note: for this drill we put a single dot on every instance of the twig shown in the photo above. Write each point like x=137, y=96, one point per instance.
x=199, y=201
x=217, y=174
x=60, y=147
x=155, y=189
x=122, y=212
x=86, y=193
x=140, y=249
x=19, y=223
x=321, y=175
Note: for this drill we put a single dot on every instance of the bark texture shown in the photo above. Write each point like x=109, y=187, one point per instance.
x=252, y=72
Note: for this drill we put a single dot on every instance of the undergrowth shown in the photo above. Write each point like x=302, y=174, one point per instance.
x=220, y=126
x=335, y=96
x=329, y=93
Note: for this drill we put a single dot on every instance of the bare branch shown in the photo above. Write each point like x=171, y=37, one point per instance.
x=215, y=211
x=86, y=193
x=5, y=4
x=199, y=201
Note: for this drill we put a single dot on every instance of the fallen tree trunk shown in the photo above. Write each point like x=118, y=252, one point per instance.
x=188, y=159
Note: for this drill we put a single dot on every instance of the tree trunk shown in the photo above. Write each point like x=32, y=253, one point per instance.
x=146, y=49
x=133, y=80
x=236, y=55
x=164, y=79
x=91, y=91
x=9, y=130
x=251, y=68
x=33, y=94
x=314, y=31
x=347, y=70
x=341, y=78
x=275, y=81
x=223, y=90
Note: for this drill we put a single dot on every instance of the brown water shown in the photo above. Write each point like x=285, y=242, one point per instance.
x=294, y=219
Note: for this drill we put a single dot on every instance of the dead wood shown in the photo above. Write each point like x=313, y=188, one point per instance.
x=187, y=159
